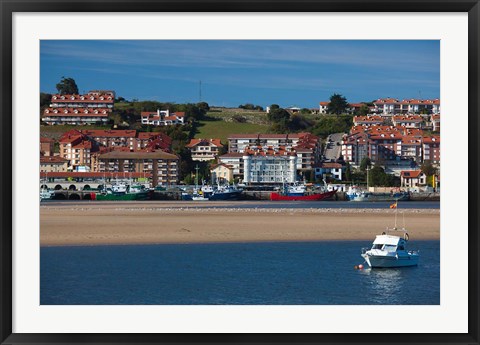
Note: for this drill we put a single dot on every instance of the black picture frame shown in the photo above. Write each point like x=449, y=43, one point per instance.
x=8, y=7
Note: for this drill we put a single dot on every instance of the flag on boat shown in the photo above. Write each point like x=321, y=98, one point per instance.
x=393, y=205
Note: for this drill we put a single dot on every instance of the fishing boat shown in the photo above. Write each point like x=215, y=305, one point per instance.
x=308, y=197
x=356, y=194
x=123, y=191
x=390, y=250
x=298, y=192
x=225, y=192
x=46, y=193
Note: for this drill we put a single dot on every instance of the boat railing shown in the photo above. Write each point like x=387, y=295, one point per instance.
x=365, y=250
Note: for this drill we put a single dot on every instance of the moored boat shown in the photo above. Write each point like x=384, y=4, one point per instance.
x=355, y=194
x=390, y=251
x=308, y=197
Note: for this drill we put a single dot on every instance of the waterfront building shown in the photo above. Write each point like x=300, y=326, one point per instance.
x=162, y=118
x=91, y=108
x=53, y=164
x=269, y=166
x=204, y=149
x=235, y=161
x=221, y=173
x=329, y=169
x=162, y=166
x=413, y=178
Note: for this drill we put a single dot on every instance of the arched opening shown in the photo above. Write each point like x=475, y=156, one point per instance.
x=86, y=187
x=74, y=196
x=72, y=187
x=59, y=196
x=43, y=186
x=58, y=187
x=87, y=196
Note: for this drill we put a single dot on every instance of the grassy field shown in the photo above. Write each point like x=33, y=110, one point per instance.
x=222, y=129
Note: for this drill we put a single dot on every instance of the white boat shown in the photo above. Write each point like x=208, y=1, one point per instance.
x=390, y=251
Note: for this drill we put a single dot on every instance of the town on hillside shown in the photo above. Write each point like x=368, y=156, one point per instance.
x=381, y=145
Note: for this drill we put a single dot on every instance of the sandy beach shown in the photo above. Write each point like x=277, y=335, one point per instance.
x=142, y=223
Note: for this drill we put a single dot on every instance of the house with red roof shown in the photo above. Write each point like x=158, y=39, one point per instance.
x=408, y=121
x=91, y=108
x=413, y=178
x=162, y=118
x=204, y=149
x=221, y=173
x=407, y=106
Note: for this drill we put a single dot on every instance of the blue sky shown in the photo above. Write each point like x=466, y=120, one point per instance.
x=233, y=72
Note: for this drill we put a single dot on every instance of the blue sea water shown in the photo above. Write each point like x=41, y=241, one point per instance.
x=286, y=273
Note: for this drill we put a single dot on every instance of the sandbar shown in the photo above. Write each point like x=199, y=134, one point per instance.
x=155, y=223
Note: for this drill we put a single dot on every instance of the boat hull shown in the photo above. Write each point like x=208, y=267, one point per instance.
x=312, y=197
x=225, y=196
x=146, y=195
x=380, y=197
x=391, y=261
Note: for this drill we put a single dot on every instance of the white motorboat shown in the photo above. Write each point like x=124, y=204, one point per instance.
x=390, y=251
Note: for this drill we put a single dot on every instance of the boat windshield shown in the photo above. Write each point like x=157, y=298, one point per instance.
x=389, y=248
x=377, y=246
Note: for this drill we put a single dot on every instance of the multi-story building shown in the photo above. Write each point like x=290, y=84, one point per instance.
x=431, y=149
x=332, y=169
x=113, y=138
x=77, y=148
x=204, y=149
x=384, y=144
x=367, y=120
x=407, y=106
x=306, y=145
x=162, y=166
x=162, y=118
x=94, y=107
x=269, y=166
x=409, y=121
x=234, y=160
x=221, y=173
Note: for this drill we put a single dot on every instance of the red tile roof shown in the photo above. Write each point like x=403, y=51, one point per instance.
x=110, y=133
x=98, y=175
x=52, y=159
x=46, y=140
x=411, y=173
x=103, y=112
x=104, y=98
x=195, y=142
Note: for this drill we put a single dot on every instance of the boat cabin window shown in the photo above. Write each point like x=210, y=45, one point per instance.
x=389, y=247
x=401, y=247
x=377, y=246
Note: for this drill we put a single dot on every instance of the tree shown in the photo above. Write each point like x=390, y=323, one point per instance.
x=278, y=115
x=67, y=86
x=203, y=106
x=338, y=104
x=366, y=162
x=348, y=172
x=45, y=99
x=428, y=169
x=364, y=110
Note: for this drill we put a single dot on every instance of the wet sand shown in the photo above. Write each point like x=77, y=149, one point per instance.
x=164, y=222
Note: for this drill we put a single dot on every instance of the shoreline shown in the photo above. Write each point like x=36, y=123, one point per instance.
x=136, y=223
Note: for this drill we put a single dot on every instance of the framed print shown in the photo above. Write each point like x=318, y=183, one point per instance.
x=277, y=180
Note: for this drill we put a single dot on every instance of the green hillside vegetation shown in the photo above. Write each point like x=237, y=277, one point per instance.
x=221, y=129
